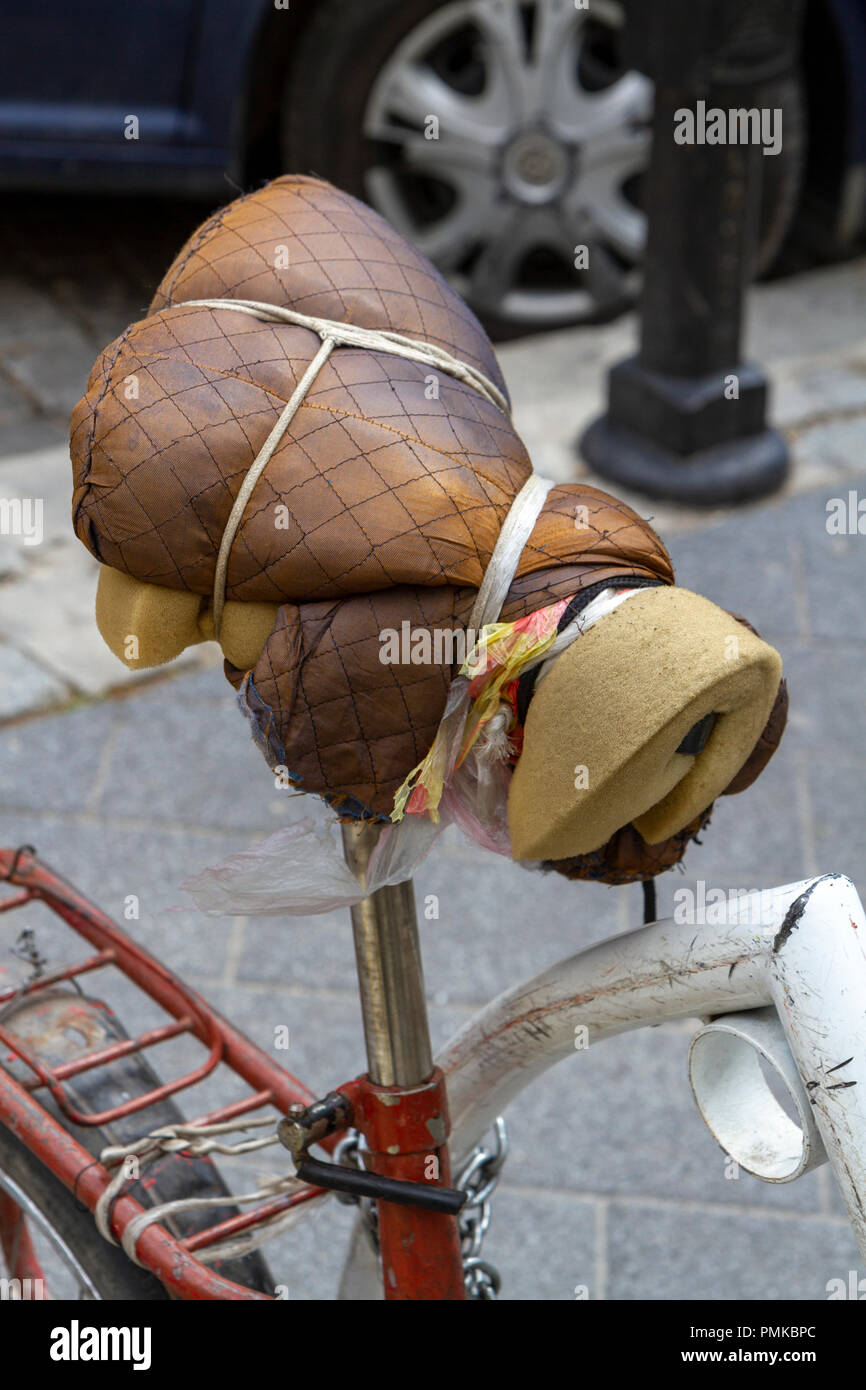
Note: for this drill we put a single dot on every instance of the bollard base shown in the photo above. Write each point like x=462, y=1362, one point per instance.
x=731, y=472
x=701, y=439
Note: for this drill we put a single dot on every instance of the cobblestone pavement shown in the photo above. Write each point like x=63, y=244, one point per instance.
x=613, y=1184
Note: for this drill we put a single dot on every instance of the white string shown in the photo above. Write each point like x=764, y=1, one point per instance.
x=333, y=334
x=196, y=1139
x=377, y=339
x=603, y=603
x=256, y=470
x=502, y=565
x=277, y=1187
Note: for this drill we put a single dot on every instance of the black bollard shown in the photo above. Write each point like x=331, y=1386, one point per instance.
x=686, y=418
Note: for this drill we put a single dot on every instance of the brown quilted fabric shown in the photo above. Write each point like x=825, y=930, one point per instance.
x=627, y=858
x=769, y=740
x=345, y=262
x=380, y=506
x=382, y=485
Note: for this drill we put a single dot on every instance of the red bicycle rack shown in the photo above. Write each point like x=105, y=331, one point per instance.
x=171, y=1260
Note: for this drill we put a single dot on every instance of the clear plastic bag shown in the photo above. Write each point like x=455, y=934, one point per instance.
x=300, y=871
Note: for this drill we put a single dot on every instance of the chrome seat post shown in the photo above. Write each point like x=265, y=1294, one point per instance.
x=390, y=973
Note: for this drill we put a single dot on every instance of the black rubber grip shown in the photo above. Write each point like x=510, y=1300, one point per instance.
x=448, y=1200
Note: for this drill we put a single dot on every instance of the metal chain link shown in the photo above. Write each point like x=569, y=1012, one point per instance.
x=479, y=1178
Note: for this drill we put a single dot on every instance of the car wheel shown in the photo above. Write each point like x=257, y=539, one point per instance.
x=500, y=137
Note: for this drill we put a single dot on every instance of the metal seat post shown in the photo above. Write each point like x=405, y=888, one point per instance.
x=405, y=1119
x=390, y=974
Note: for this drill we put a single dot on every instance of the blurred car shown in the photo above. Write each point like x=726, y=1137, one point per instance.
x=541, y=136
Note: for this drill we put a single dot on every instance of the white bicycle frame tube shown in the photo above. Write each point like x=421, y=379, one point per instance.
x=800, y=947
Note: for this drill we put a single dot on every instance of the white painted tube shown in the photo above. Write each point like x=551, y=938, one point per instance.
x=666, y=970
x=817, y=968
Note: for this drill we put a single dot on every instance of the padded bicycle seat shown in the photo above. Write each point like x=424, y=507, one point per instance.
x=377, y=512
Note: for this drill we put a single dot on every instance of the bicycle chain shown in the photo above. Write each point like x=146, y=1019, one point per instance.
x=479, y=1177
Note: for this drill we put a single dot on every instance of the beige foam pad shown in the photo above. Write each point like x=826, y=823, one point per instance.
x=244, y=631
x=604, y=726
x=147, y=625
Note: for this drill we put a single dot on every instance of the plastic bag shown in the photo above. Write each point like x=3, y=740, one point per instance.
x=300, y=871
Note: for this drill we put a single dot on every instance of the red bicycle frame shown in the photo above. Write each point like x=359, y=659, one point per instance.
x=399, y=1106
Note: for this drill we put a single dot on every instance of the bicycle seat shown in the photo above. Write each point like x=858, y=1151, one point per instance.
x=305, y=448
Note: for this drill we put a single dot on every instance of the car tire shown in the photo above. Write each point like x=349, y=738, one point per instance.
x=333, y=72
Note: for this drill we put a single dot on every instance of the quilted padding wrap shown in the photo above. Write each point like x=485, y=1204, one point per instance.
x=380, y=506
x=304, y=244
x=374, y=485
x=381, y=484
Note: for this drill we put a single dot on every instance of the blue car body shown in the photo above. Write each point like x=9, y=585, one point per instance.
x=203, y=80
x=192, y=72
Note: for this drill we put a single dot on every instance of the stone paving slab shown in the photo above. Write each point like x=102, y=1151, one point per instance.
x=693, y=1254
x=807, y=333
x=25, y=686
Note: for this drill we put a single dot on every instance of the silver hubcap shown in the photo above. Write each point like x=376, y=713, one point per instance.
x=535, y=167
x=504, y=139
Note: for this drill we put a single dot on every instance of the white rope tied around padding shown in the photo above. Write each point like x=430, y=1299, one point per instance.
x=353, y=335
x=199, y=1140
x=604, y=602
x=502, y=565
x=256, y=470
x=333, y=334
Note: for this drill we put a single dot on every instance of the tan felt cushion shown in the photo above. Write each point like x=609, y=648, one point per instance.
x=143, y=624
x=147, y=625
x=618, y=703
x=245, y=629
